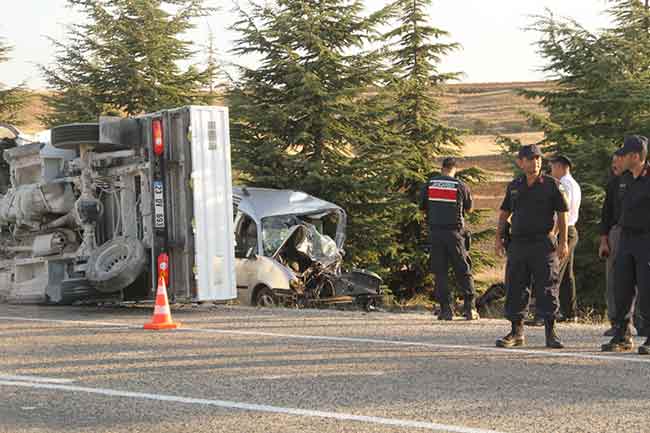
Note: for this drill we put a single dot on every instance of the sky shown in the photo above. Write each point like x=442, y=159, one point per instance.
x=495, y=46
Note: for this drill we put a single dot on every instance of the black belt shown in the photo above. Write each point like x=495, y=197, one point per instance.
x=449, y=227
x=531, y=238
x=637, y=232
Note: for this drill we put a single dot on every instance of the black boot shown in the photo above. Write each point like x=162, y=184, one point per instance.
x=552, y=340
x=446, y=312
x=469, y=309
x=610, y=332
x=515, y=338
x=645, y=348
x=535, y=321
x=621, y=342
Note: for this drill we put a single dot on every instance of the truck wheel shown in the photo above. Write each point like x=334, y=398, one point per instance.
x=72, y=136
x=265, y=298
x=116, y=264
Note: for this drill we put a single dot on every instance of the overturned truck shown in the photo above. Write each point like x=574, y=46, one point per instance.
x=97, y=211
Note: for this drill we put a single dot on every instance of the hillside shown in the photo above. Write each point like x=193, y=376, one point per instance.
x=483, y=110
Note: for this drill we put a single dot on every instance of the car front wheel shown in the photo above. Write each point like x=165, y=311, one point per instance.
x=265, y=298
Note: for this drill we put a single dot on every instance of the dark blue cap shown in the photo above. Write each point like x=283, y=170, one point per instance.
x=563, y=159
x=530, y=151
x=633, y=144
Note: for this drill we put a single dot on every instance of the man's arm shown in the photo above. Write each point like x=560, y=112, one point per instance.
x=606, y=218
x=563, y=235
x=469, y=203
x=504, y=215
x=424, y=196
x=501, y=232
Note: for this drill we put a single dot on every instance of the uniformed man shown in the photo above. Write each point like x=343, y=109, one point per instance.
x=632, y=268
x=561, y=167
x=535, y=202
x=610, y=234
x=446, y=200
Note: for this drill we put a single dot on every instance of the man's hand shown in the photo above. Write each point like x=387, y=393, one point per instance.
x=563, y=250
x=603, y=249
x=499, y=247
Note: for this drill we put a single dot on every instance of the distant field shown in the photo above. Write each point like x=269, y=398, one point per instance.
x=490, y=109
x=29, y=117
x=476, y=145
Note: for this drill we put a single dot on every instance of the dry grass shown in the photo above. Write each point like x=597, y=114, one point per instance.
x=495, y=112
x=489, y=276
x=34, y=108
x=478, y=145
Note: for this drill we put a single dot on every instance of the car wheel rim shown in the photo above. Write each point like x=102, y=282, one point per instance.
x=266, y=300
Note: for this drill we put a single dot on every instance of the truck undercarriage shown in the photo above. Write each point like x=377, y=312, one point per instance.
x=86, y=215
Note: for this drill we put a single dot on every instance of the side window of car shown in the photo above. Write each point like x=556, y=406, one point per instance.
x=246, y=236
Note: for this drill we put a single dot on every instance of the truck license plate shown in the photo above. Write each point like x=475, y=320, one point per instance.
x=158, y=205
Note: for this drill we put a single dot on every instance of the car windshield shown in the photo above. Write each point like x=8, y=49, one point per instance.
x=276, y=230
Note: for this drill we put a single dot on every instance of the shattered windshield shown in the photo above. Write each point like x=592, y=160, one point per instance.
x=276, y=230
x=318, y=247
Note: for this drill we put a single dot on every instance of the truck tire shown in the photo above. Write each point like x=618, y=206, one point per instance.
x=116, y=264
x=72, y=136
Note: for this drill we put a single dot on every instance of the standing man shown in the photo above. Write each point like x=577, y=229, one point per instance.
x=632, y=268
x=561, y=167
x=446, y=200
x=534, y=201
x=610, y=235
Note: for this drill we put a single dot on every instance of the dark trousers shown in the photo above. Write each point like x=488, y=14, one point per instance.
x=632, y=278
x=614, y=239
x=448, y=247
x=534, y=260
x=568, y=299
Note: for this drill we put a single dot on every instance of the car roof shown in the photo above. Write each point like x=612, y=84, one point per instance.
x=265, y=202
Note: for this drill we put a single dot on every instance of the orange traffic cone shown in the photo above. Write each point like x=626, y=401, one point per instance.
x=162, y=317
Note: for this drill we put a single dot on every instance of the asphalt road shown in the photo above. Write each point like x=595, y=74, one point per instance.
x=234, y=369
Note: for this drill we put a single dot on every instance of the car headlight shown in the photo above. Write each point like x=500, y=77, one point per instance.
x=295, y=284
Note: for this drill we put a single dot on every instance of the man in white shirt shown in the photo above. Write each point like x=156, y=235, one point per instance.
x=561, y=170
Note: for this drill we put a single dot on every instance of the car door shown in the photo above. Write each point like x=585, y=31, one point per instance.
x=245, y=267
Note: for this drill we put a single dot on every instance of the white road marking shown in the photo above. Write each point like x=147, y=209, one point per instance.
x=322, y=375
x=405, y=343
x=253, y=407
x=35, y=379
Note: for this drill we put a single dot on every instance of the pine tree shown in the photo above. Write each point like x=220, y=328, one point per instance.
x=12, y=99
x=602, y=94
x=415, y=51
x=304, y=120
x=213, y=70
x=124, y=58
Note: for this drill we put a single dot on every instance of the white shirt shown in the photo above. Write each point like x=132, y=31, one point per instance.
x=573, y=196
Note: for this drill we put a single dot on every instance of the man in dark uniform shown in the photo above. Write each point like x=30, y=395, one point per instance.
x=534, y=201
x=632, y=266
x=446, y=200
x=610, y=235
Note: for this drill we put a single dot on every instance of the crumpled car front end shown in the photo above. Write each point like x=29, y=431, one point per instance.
x=316, y=259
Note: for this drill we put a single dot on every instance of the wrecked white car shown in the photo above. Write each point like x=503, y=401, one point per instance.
x=289, y=251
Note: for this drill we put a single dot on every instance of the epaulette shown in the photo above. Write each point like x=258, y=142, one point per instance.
x=546, y=177
x=518, y=180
